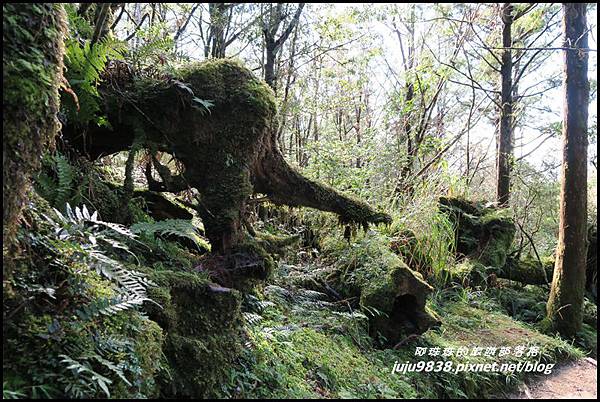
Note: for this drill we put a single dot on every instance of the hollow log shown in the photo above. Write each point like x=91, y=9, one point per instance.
x=379, y=280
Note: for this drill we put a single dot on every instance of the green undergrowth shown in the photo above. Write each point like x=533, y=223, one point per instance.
x=528, y=304
x=71, y=333
x=71, y=323
x=301, y=344
x=99, y=309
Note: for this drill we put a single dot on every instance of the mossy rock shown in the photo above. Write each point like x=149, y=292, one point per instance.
x=202, y=323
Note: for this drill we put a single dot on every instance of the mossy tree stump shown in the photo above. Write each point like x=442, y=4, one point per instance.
x=202, y=324
x=484, y=236
x=483, y=233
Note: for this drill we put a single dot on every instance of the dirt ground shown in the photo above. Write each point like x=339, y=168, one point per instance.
x=577, y=380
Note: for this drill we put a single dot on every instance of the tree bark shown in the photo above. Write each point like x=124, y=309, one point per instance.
x=505, y=138
x=32, y=72
x=218, y=24
x=566, y=296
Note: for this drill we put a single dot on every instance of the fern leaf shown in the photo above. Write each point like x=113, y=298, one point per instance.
x=65, y=174
x=175, y=227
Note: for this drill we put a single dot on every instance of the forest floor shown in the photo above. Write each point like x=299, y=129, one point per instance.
x=303, y=344
x=576, y=380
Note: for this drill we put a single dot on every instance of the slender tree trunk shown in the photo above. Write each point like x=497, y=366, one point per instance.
x=505, y=140
x=270, y=63
x=566, y=295
x=218, y=24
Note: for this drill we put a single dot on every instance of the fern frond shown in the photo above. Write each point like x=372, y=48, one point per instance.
x=65, y=174
x=85, y=370
x=46, y=186
x=251, y=318
x=175, y=227
x=132, y=282
x=108, y=307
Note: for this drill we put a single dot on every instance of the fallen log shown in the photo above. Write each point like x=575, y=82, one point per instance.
x=528, y=270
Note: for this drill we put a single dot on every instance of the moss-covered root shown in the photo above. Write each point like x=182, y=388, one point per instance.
x=203, y=326
x=32, y=71
x=273, y=176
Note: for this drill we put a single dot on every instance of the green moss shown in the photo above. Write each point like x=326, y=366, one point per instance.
x=306, y=347
x=146, y=340
x=523, y=303
x=219, y=168
x=529, y=270
x=466, y=325
x=32, y=71
x=484, y=233
x=226, y=79
x=202, y=325
x=464, y=271
x=254, y=250
x=369, y=271
x=148, y=348
x=53, y=312
x=528, y=304
x=275, y=244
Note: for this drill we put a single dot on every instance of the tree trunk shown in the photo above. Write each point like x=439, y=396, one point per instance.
x=218, y=24
x=505, y=140
x=273, y=45
x=566, y=295
x=32, y=71
x=270, y=63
